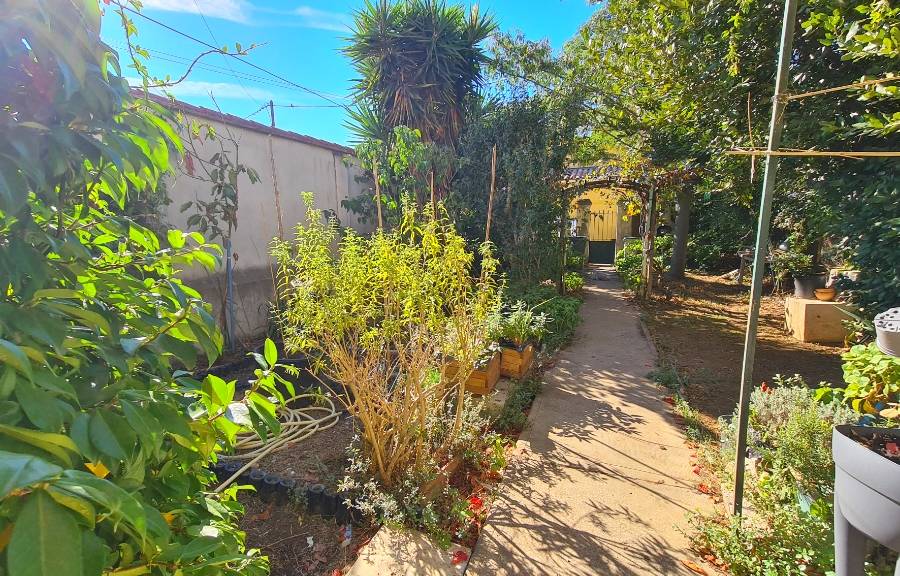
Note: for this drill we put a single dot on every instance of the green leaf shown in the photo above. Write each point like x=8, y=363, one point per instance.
x=89, y=318
x=39, y=406
x=176, y=238
x=45, y=540
x=104, y=438
x=270, y=352
x=15, y=357
x=56, y=444
x=21, y=470
x=95, y=553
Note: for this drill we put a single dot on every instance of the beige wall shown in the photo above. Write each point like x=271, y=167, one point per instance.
x=299, y=167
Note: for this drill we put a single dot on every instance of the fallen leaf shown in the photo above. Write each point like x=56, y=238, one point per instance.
x=459, y=557
x=669, y=400
x=693, y=567
x=696, y=470
x=705, y=489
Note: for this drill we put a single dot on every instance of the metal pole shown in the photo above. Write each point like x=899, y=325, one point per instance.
x=779, y=101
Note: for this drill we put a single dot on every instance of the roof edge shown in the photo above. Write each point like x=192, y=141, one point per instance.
x=237, y=121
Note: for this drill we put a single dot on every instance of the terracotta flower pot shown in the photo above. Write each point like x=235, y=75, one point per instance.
x=825, y=294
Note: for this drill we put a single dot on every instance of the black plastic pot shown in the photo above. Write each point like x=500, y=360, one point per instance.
x=270, y=487
x=285, y=490
x=329, y=503
x=244, y=478
x=219, y=470
x=314, y=495
x=805, y=286
x=229, y=468
x=256, y=479
x=866, y=498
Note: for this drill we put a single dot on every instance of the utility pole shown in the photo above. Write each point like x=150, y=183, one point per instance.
x=272, y=113
x=779, y=101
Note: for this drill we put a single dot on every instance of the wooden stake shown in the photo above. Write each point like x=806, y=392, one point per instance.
x=377, y=194
x=487, y=228
x=433, y=200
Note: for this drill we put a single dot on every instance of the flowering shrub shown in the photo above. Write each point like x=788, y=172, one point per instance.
x=789, y=488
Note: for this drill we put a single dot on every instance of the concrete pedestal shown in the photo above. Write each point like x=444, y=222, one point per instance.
x=816, y=321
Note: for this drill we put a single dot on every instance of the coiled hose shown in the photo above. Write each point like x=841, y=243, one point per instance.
x=297, y=424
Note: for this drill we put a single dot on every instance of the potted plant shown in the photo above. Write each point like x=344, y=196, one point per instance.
x=807, y=275
x=518, y=332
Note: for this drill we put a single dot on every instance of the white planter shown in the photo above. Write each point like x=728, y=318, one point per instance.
x=887, y=331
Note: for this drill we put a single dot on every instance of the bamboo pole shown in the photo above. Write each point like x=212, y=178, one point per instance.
x=433, y=200
x=377, y=194
x=487, y=228
x=839, y=153
x=779, y=101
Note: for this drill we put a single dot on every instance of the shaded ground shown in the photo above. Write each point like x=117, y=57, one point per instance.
x=700, y=331
x=601, y=480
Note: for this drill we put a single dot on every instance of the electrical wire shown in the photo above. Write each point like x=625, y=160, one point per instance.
x=297, y=424
x=235, y=56
x=224, y=59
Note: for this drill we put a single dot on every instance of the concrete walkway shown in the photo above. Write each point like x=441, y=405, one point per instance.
x=602, y=480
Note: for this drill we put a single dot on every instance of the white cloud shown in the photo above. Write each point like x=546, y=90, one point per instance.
x=322, y=19
x=234, y=10
x=219, y=90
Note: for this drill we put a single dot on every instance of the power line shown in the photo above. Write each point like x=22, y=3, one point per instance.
x=235, y=56
x=309, y=106
x=224, y=59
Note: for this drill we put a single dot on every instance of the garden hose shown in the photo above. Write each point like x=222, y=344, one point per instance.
x=297, y=424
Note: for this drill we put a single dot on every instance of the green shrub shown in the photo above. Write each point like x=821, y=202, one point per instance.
x=105, y=439
x=629, y=260
x=872, y=381
x=512, y=416
x=521, y=324
x=628, y=265
x=562, y=312
x=573, y=282
x=789, y=489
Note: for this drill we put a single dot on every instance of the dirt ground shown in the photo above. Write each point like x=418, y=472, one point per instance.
x=700, y=331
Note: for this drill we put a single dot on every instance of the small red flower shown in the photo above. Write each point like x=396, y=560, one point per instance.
x=669, y=400
x=765, y=388
x=475, y=503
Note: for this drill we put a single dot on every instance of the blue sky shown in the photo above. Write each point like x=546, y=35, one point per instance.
x=301, y=41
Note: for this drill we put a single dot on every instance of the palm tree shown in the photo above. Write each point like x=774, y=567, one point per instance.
x=420, y=65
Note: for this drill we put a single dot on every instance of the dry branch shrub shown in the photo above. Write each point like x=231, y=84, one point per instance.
x=384, y=316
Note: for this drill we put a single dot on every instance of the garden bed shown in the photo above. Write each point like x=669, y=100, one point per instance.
x=700, y=332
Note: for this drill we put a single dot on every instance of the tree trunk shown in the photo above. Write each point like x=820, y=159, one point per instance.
x=685, y=197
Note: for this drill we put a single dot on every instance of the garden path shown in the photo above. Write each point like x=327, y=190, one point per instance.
x=601, y=482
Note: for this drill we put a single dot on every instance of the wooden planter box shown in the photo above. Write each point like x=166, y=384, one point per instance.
x=514, y=362
x=481, y=380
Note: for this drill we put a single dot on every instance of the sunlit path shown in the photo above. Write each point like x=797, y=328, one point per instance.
x=602, y=480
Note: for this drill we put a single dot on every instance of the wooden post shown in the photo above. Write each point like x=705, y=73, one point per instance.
x=377, y=194
x=487, y=228
x=651, y=241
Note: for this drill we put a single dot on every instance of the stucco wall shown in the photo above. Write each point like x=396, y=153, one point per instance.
x=299, y=167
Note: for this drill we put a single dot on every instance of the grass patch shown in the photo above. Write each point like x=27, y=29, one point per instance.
x=513, y=415
x=695, y=428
